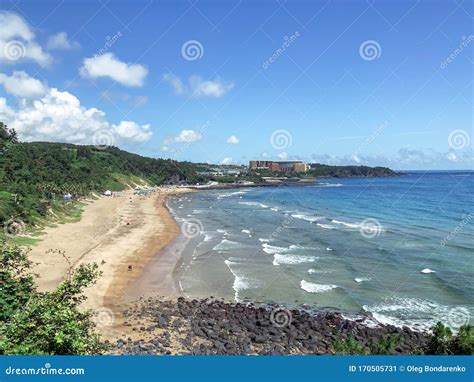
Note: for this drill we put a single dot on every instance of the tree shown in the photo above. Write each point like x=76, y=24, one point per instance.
x=48, y=322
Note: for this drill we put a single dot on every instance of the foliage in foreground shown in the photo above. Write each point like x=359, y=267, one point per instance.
x=445, y=343
x=442, y=342
x=44, y=323
x=385, y=345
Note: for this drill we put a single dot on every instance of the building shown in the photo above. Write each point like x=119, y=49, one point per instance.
x=281, y=166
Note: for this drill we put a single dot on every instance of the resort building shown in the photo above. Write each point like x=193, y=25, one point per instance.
x=281, y=166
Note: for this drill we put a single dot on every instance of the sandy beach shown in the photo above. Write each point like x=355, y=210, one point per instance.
x=113, y=232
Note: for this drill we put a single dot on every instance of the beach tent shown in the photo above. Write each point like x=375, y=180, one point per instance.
x=108, y=193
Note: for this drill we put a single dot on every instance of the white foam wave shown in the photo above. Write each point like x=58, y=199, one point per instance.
x=418, y=314
x=262, y=240
x=230, y=194
x=358, y=225
x=309, y=218
x=272, y=249
x=319, y=271
x=316, y=288
x=241, y=281
x=292, y=259
x=350, y=225
x=247, y=232
x=326, y=226
x=362, y=279
x=226, y=245
x=427, y=270
x=249, y=203
x=261, y=205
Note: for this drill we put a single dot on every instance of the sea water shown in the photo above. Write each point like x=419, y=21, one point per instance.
x=399, y=249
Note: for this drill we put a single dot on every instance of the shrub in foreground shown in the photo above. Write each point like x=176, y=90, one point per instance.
x=48, y=322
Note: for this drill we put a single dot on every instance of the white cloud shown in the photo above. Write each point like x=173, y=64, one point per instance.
x=59, y=116
x=233, y=140
x=17, y=42
x=20, y=84
x=405, y=158
x=197, y=87
x=207, y=88
x=133, y=131
x=60, y=41
x=452, y=157
x=184, y=136
x=107, y=65
x=175, y=82
x=227, y=160
x=283, y=155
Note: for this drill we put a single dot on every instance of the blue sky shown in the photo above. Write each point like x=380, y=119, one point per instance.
x=342, y=82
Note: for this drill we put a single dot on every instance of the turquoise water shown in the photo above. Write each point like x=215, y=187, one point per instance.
x=399, y=249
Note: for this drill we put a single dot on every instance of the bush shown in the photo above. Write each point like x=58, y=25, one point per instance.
x=386, y=344
x=349, y=346
x=444, y=343
x=48, y=322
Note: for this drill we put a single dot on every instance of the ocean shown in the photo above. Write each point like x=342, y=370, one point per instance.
x=399, y=249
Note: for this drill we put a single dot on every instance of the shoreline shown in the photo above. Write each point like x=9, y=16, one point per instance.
x=114, y=232
x=144, y=233
x=214, y=327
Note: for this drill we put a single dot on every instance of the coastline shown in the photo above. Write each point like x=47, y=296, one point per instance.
x=113, y=232
x=141, y=231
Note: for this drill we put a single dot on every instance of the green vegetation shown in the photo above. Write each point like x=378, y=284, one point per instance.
x=44, y=323
x=324, y=170
x=349, y=346
x=35, y=176
x=444, y=342
x=384, y=346
x=328, y=171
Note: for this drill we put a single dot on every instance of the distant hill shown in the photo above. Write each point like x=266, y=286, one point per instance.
x=324, y=170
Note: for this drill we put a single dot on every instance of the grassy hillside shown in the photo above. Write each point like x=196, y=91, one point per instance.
x=35, y=176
